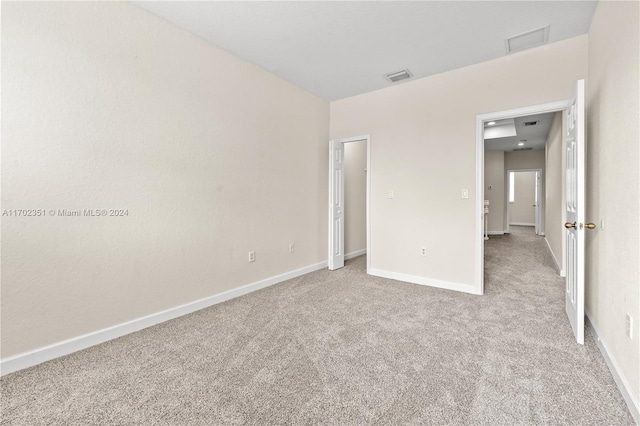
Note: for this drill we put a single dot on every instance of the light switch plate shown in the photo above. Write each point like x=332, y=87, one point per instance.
x=465, y=193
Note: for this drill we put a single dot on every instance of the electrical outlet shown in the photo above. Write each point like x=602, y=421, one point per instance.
x=391, y=194
x=252, y=256
x=629, y=326
x=423, y=251
x=292, y=247
x=465, y=193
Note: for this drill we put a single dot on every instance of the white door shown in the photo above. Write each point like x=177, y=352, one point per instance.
x=336, y=205
x=575, y=145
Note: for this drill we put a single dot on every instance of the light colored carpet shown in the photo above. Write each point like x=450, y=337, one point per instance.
x=344, y=348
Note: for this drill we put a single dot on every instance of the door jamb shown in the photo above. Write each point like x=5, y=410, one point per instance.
x=367, y=139
x=480, y=120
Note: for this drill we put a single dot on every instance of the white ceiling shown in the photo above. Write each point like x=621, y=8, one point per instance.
x=340, y=49
x=534, y=136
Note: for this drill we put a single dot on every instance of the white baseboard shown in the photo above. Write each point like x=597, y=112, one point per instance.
x=521, y=224
x=465, y=288
x=355, y=254
x=621, y=381
x=56, y=350
x=495, y=233
x=561, y=271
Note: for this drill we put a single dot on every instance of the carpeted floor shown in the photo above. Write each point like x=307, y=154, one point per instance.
x=344, y=348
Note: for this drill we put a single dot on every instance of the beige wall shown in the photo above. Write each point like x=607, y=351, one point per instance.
x=613, y=182
x=112, y=107
x=494, y=189
x=521, y=211
x=423, y=146
x=523, y=160
x=355, y=196
x=554, y=190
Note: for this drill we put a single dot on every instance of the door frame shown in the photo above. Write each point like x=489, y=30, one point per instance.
x=332, y=242
x=538, y=189
x=480, y=120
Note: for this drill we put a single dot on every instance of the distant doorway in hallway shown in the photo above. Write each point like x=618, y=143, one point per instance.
x=524, y=199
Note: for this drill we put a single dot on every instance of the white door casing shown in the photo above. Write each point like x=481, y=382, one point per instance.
x=575, y=211
x=336, y=205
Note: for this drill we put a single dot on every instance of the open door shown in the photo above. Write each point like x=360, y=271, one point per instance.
x=336, y=205
x=575, y=148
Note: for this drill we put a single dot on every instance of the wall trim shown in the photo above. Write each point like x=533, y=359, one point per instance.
x=621, y=381
x=414, y=279
x=561, y=271
x=37, y=356
x=495, y=233
x=355, y=254
x=521, y=224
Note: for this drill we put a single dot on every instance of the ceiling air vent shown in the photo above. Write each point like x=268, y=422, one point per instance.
x=527, y=40
x=398, y=75
x=523, y=149
x=530, y=123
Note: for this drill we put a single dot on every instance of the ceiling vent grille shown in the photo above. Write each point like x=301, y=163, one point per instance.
x=530, y=123
x=527, y=40
x=398, y=75
x=523, y=149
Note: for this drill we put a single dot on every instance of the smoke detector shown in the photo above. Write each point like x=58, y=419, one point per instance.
x=527, y=40
x=398, y=75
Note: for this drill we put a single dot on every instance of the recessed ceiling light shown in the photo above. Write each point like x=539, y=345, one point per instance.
x=491, y=123
x=520, y=143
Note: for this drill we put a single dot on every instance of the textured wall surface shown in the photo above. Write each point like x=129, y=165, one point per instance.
x=111, y=107
x=613, y=182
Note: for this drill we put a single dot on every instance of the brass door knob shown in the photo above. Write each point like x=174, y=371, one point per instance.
x=590, y=226
x=570, y=225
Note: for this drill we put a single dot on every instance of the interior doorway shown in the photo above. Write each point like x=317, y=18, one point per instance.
x=512, y=160
x=342, y=168
x=525, y=199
